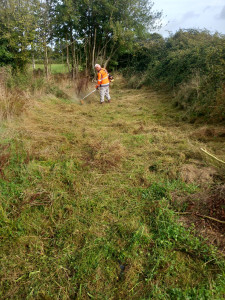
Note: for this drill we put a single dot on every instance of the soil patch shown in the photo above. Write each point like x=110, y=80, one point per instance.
x=191, y=173
x=206, y=133
x=206, y=210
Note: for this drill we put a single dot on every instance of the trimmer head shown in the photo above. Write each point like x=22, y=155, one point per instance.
x=82, y=100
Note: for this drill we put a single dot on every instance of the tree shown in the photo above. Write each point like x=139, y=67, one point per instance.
x=110, y=26
x=64, y=24
x=101, y=29
x=17, y=26
x=87, y=30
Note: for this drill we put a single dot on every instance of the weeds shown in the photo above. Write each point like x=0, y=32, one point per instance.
x=19, y=91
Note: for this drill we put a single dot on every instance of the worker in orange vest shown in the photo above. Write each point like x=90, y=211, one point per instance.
x=103, y=83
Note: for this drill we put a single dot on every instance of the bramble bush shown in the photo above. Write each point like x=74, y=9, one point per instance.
x=191, y=64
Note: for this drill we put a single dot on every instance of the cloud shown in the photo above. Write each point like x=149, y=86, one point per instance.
x=175, y=24
x=203, y=14
x=207, y=8
x=222, y=14
x=189, y=15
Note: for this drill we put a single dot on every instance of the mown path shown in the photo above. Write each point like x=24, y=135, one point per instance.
x=85, y=203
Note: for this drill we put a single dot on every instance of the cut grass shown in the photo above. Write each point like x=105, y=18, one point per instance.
x=85, y=205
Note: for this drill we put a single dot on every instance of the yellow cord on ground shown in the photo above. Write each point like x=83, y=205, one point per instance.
x=205, y=151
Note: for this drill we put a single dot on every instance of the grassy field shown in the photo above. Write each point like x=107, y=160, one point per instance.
x=54, y=68
x=85, y=207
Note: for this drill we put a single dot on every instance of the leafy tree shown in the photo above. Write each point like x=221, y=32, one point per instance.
x=17, y=27
x=64, y=24
x=6, y=57
x=101, y=29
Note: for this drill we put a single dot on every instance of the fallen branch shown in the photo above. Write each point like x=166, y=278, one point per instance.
x=183, y=213
x=201, y=216
x=205, y=151
x=210, y=218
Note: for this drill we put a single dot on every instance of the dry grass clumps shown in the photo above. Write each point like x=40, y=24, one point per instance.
x=4, y=158
x=103, y=155
x=205, y=210
x=189, y=91
x=36, y=198
x=39, y=198
x=81, y=84
x=195, y=174
x=13, y=103
x=206, y=133
x=121, y=125
x=135, y=82
x=17, y=92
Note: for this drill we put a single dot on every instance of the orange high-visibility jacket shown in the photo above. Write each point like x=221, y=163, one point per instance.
x=103, y=78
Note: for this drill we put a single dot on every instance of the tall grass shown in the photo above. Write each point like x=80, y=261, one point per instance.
x=18, y=91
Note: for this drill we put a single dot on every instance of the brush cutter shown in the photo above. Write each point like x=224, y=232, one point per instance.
x=82, y=100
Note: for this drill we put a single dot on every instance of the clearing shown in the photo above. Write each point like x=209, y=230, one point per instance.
x=88, y=199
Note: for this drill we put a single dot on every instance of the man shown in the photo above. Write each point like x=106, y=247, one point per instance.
x=103, y=83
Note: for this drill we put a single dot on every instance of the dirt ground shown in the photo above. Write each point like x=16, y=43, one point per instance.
x=206, y=211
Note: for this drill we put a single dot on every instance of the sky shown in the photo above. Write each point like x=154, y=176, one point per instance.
x=198, y=14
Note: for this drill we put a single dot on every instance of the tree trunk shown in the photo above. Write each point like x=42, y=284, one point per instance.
x=93, y=53
x=73, y=60
x=46, y=60
x=72, y=43
x=110, y=56
x=33, y=62
x=86, y=58
x=67, y=58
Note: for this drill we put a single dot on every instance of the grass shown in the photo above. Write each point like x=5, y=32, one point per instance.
x=85, y=204
x=54, y=68
x=18, y=93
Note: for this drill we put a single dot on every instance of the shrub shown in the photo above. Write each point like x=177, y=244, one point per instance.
x=191, y=63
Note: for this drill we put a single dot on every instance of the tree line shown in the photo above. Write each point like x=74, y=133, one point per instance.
x=118, y=35
x=80, y=31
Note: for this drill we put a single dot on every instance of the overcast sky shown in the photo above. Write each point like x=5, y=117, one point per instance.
x=200, y=14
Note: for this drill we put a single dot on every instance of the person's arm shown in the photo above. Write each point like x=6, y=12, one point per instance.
x=99, y=80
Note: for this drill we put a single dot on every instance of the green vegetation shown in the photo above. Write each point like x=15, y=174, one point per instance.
x=190, y=64
x=92, y=195
x=86, y=204
x=54, y=68
x=75, y=32
x=71, y=36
